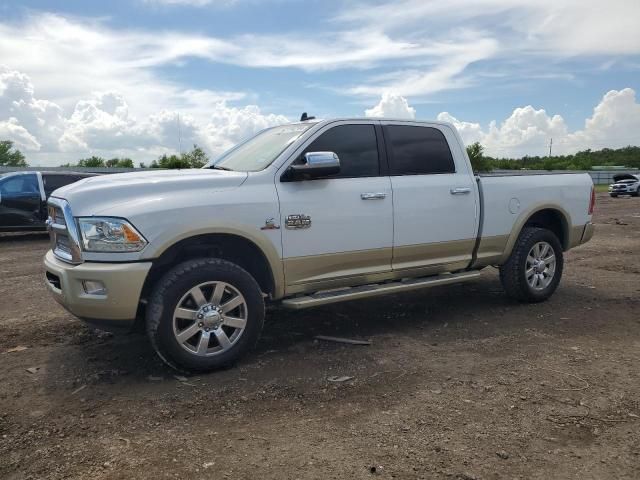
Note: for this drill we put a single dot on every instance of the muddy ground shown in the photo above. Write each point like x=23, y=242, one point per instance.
x=459, y=382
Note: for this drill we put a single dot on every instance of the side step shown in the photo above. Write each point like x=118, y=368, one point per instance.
x=372, y=290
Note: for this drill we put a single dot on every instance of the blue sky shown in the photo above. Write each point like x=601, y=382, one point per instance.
x=111, y=78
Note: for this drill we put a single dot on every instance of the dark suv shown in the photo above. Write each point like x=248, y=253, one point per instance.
x=23, y=197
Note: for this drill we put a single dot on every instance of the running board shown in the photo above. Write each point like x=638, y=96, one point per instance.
x=372, y=290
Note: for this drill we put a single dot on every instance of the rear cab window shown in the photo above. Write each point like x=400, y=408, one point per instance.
x=54, y=181
x=417, y=150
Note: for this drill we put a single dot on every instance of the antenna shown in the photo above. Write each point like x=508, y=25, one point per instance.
x=305, y=117
x=179, y=136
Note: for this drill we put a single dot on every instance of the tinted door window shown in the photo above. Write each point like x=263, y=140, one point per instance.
x=355, y=145
x=417, y=150
x=53, y=182
x=20, y=185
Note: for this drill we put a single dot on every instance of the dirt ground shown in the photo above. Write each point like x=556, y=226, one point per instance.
x=459, y=382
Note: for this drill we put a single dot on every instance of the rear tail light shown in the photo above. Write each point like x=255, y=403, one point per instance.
x=592, y=202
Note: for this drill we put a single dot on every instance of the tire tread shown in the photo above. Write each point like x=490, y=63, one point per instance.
x=155, y=306
x=512, y=271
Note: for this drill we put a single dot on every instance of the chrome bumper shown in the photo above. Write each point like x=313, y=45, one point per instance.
x=116, y=308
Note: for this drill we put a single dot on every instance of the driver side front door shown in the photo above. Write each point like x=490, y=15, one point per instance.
x=338, y=230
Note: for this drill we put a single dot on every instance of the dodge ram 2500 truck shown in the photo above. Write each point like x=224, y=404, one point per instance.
x=303, y=214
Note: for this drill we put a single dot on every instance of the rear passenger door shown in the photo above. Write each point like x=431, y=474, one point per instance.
x=434, y=198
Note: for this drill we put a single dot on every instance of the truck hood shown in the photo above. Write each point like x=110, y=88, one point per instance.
x=97, y=195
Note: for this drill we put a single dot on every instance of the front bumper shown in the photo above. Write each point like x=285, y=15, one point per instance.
x=622, y=192
x=116, y=308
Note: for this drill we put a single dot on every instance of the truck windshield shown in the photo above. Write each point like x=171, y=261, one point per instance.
x=260, y=151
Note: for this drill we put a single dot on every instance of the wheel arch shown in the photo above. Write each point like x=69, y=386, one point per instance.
x=551, y=217
x=256, y=255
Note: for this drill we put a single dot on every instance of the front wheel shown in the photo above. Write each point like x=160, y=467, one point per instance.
x=533, y=271
x=204, y=314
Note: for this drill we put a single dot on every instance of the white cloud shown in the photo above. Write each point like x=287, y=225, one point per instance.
x=103, y=125
x=12, y=130
x=508, y=32
x=615, y=123
x=469, y=131
x=391, y=106
x=567, y=27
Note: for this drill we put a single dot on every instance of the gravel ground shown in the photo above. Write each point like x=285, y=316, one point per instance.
x=459, y=382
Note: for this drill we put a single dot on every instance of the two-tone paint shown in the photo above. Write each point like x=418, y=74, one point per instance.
x=359, y=230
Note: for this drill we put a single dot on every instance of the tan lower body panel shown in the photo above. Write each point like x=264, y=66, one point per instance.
x=490, y=250
x=336, y=269
x=575, y=235
x=432, y=254
x=320, y=272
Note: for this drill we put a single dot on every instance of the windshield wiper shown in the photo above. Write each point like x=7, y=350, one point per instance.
x=218, y=167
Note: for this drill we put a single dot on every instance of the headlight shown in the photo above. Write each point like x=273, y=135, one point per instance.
x=103, y=234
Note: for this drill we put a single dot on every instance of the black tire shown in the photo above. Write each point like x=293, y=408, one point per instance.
x=513, y=272
x=613, y=196
x=174, y=285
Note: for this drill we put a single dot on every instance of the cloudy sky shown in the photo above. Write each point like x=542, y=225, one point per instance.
x=80, y=78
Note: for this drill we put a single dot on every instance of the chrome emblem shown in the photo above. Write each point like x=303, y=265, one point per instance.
x=270, y=224
x=298, y=221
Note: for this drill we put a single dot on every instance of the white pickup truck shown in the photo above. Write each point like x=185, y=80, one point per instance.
x=303, y=214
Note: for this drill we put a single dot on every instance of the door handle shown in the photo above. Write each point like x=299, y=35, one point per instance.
x=373, y=196
x=460, y=191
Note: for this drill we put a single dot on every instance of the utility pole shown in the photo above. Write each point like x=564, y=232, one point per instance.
x=550, y=145
x=179, y=136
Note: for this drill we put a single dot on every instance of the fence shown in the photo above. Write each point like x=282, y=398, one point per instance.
x=68, y=169
x=599, y=177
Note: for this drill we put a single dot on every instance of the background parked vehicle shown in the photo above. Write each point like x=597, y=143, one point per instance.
x=625, y=184
x=23, y=197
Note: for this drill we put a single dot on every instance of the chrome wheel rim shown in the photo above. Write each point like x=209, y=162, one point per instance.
x=541, y=266
x=210, y=318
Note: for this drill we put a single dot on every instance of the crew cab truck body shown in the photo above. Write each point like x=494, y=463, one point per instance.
x=304, y=214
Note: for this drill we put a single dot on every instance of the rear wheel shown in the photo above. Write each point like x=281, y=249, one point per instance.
x=533, y=271
x=204, y=314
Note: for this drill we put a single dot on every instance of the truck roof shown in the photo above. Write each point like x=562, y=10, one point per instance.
x=384, y=119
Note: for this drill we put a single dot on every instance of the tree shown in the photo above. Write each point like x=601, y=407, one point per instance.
x=93, y=162
x=171, y=161
x=119, y=163
x=475, y=151
x=196, y=158
x=11, y=157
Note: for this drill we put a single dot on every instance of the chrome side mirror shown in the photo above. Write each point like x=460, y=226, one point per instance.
x=316, y=165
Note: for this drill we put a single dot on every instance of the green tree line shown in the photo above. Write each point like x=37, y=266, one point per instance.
x=196, y=158
x=584, y=160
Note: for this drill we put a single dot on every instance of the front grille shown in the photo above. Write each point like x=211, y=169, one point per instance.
x=63, y=233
